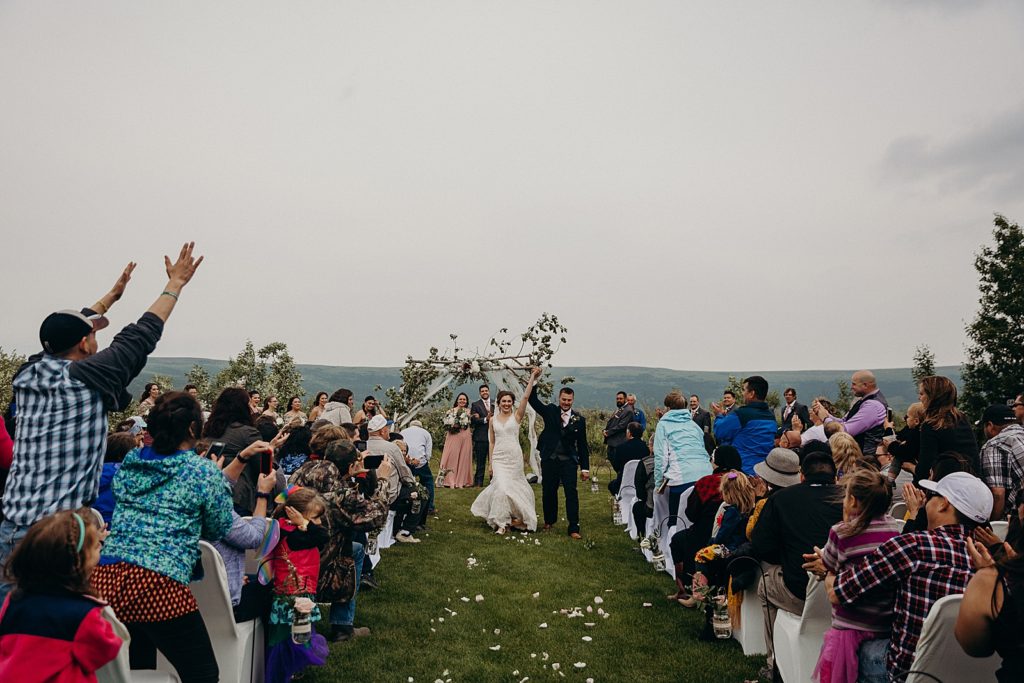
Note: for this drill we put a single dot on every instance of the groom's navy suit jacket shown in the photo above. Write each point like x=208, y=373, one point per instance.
x=574, y=436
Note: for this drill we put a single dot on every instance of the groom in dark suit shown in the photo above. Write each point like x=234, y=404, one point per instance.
x=563, y=449
x=479, y=417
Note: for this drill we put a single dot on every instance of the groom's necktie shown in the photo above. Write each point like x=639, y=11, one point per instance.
x=565, y=417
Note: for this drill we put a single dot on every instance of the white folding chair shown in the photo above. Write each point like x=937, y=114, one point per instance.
x=1001, y=528
x=901, y=523
x=119, y=670
x=627, y=496
x=898, y=510
x=750, y=634
x=798, y=640
x=239, y=647
x=938, y=655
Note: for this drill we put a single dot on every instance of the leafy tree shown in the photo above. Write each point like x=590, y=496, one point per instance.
x=994, y=368
x=271, y=371
x=773, y=399
x=165, y=382
x=736, y=386
x=845, y=397
x=924, y=363
x=204, y=385
x=9, y=364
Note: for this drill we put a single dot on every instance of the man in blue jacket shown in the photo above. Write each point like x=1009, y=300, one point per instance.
x=751, y=428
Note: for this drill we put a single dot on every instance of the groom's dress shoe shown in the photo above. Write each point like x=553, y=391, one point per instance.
x=575, y=535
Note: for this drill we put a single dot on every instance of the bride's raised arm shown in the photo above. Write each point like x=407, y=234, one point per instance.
x=521, y=408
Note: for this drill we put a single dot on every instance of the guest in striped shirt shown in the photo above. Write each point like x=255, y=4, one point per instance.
x=63, y=394
x=922, y=566
x=866, y=525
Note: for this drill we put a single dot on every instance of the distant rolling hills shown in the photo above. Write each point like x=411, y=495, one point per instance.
x=595, y=387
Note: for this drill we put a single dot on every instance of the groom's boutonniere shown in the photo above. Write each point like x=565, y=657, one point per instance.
x=574, y=420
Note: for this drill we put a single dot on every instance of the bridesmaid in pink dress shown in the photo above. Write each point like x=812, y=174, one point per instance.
x=457, y=456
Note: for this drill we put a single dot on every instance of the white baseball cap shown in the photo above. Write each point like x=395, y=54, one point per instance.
x=377, y=423
x=968, y=494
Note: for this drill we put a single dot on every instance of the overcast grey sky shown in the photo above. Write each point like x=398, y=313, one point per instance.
x=706, y=186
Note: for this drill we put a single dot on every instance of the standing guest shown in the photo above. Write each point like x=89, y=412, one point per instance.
x=51, y=625
x=791, y=409
x=457, y=454
x=149, y=396
x=866, y=418
x=295, y=413
x=1002, y=458
x=750, y=428
x=943, y=428
x=254, y=403
x=702, y=419
x=480, y=417
x=679, y=455
x=63, y=394
x=319, y=403
x=563, y=448
x=866, y=524
x=119, y=444
x=231, y=422
x=270, y=408
x=633, y=449
x=991, y=617
x=370, y=409
x=793, y=522
x=421, y=449
x=728, y=402
x=168, y=498
x=338, y=409
x=919, y=567
x=816, y=432
x=615, y=431
x=638, y=414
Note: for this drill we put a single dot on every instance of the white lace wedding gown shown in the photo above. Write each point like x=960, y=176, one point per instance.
x=509, y=494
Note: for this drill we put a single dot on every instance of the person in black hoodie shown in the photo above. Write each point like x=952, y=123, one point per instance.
x=944, y=428
x=794, y=521
x=633, y=448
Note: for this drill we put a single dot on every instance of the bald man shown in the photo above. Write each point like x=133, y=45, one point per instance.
x=865, y=419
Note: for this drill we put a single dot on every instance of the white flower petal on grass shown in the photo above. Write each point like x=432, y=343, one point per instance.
x=516, y=672
x=556, y=666
x=590, y=609
x=445, y=673
x=533, y=655
x=479, y=598
x=647, y=604
x=600, y=610
x=587, y=639
x=580, y=665
x=523, y=680
x=536, y=595
x=433, y=630
x=464, y=599
x=545, y=655
x=440, y=620
x=494, y=648
x=590, y=680
x=544, y=625
x=598, y=599
x=588, y=623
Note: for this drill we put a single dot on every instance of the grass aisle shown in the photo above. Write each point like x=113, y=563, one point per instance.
x=424, y=629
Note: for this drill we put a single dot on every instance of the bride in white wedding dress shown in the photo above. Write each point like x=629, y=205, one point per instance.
x=508, y=501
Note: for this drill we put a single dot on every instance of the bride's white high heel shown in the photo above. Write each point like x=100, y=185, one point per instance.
x=501, y=531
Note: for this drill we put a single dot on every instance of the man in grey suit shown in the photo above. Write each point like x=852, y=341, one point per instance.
x=615, y=430
x=479, y=418
x=702, y=419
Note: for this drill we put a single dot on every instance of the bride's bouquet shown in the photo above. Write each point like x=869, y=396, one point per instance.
x=456, y=419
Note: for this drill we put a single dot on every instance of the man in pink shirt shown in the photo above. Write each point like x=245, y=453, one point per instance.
x=866, y=416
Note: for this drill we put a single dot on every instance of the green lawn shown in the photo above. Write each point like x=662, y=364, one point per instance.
x=423, y=584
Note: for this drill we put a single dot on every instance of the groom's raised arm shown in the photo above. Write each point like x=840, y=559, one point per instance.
x=537, y=404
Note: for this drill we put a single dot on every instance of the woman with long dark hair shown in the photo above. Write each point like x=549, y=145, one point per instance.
x=148, y=398
x=944, y=428
x=457, y=456
x=318, y=406
x=231, y=422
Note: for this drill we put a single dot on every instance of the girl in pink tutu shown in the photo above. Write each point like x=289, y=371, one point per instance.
x=866, y=525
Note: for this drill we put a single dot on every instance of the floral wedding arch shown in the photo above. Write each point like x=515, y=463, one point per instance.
x=428, y=381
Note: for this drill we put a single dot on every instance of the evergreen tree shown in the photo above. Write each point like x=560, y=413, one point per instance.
x=924, y=364
x=994, y=369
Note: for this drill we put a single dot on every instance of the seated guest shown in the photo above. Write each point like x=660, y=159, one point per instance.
x=679, y=455
x=914, y=497
x=701, y=508
x=232, y=423
x=168, y=498
x=119, y=444
x=991, y=618
x=1002, y=458
x=249, y=599
x=866, y=524
x=51, y=626
x=633, y=448
x=295, y=450
x=400, y=482
x=643, y=485
x=793, y=522
x=920, y=567
x=845, y=452
x=751, y=427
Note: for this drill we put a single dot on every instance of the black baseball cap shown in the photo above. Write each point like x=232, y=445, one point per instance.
x=998, y=414
x=63, y=329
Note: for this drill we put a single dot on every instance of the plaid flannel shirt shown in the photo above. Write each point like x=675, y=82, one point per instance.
x=62, y=422
x=1002, y=463
x=922, y=567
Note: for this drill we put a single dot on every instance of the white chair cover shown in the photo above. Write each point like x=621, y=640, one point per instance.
x=628, y=496
x=239, y=647
x=939, y=655
x=798, y=639
x=898, y=510
x=1000, y=529
x=119, y=670
x=385, y=539
x=750, y=633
